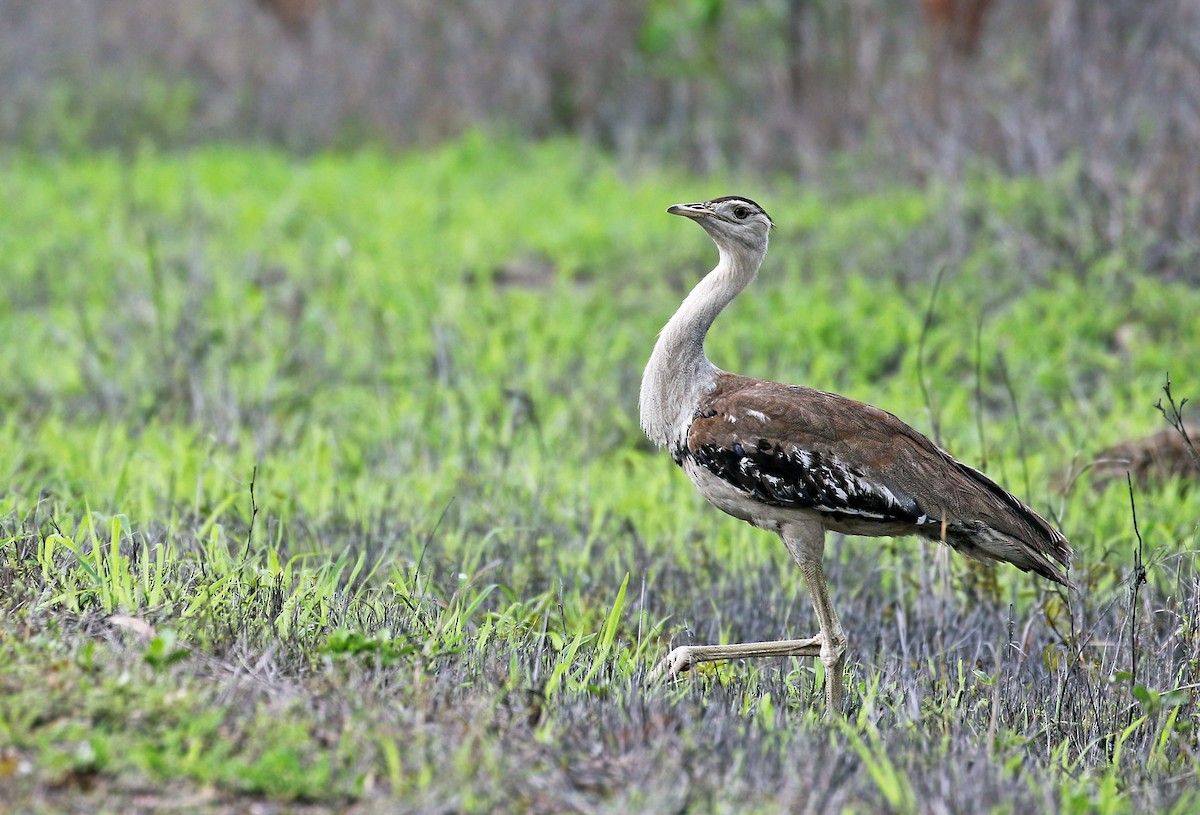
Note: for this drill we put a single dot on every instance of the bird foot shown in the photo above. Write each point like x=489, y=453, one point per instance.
x=679, y=661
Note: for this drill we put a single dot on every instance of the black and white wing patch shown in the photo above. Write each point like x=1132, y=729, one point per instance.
x=788, y=476
x=790, y=446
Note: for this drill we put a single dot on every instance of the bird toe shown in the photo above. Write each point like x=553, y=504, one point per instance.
x=679, y=661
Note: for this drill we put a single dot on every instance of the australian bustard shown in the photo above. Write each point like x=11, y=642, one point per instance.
x=798, y=461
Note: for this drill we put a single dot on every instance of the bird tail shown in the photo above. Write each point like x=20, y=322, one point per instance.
x=980, y=541
x=1011, y=532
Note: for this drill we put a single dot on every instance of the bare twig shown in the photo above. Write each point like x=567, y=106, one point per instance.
x=1136, y=580
x=1173, y=413
x=253, y=515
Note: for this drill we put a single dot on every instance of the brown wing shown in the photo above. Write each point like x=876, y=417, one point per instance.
x=864, y=471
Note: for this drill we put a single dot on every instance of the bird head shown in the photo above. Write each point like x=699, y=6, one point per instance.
x=733, y=222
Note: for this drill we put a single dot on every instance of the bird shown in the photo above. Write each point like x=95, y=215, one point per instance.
x=801, y=462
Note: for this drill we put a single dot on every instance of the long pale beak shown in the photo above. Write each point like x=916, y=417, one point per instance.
x=690, y=210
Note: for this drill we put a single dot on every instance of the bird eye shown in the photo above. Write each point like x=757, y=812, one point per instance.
x=741, y=213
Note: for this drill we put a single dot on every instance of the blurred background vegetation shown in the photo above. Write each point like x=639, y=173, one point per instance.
x=816, y=89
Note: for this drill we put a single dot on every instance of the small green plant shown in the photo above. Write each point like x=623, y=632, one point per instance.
x=381, y=645
x=164, y=650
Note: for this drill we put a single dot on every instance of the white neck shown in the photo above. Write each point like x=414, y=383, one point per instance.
x=678, y=374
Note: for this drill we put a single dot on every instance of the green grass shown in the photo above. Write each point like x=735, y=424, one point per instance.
x=353, y=440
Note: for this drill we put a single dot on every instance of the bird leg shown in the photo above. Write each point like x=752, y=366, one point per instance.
x=833, y=638
x=685, y=657
x=806, y=544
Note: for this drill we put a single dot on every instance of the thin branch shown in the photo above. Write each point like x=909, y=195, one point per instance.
x=1137, y=579
x=1174, y=417
x=253, y=515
